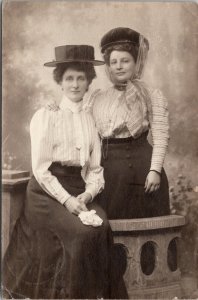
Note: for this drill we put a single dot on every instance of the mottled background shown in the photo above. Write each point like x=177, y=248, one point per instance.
x=31, y=30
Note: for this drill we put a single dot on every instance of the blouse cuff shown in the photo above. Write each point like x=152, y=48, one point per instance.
x=155, y=171
x=63, y=198
x=66, y=200
x=155, y=167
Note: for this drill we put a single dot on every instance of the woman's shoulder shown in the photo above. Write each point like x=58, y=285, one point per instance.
x=97, y=93
x=43, y=115
x=96, y=96
x=155, y=92
x=90, y=98
x=42, y=112
x=156, y=96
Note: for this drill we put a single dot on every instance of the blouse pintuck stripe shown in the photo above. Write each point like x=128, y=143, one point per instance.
x=57, y=137
x=117, y=114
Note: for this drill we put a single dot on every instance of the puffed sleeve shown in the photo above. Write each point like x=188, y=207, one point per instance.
x=159, y=123
x=94, y=178
x=42, y=143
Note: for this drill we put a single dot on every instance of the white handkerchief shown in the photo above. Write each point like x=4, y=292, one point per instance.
x=90, y=218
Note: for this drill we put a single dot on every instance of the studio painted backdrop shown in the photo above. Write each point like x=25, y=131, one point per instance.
x=31, y=30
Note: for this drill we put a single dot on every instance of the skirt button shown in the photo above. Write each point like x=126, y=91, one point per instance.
x=130, y=165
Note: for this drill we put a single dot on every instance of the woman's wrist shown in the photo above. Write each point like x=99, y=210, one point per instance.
x=89, y=197
x=89, y=194
x=66, y=202
x=155, y=172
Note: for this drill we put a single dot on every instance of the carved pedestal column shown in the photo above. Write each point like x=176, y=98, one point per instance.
x=152, y=266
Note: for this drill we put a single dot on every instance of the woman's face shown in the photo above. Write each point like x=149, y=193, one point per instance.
x=122, y=66
x=74, y=84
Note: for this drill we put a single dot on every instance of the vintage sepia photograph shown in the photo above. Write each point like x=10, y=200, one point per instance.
x=99, y=150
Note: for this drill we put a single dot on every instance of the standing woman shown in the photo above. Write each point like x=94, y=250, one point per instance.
x=136, y=184
x=52, y=254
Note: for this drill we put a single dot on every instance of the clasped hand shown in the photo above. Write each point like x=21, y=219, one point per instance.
x=76, y=205
x=152, y=183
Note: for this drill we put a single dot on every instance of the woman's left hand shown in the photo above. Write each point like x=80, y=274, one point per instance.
x=84, y=197
x=152, y=183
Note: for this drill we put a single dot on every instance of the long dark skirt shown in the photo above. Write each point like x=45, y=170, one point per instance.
x=126, y=165
x=52, y=254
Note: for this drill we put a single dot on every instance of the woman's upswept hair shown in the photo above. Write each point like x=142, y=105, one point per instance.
x=86, y=67
x=128, y=47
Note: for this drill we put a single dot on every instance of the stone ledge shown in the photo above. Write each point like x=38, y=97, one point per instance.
x=15, y=181
x=12, y=184
x=14, y=174
x=12, y=179
x=144, y=224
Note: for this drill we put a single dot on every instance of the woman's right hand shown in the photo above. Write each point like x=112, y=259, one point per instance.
x=75, y=206
x=52, y=106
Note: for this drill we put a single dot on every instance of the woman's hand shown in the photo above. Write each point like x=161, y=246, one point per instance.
x=52, y=106
x=75, y=206
x=85, y=197
x=152, y=183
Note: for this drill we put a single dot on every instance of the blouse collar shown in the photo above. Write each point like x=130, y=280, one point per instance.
x=66, y=103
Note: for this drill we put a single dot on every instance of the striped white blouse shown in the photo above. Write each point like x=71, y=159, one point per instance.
x=67, y=136
x=115, y=118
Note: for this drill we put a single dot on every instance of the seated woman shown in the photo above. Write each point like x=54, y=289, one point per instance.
x=52, y=254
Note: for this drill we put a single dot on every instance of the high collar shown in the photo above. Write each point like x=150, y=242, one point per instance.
x=126, y=85
x=66, y=103
x=121, y=86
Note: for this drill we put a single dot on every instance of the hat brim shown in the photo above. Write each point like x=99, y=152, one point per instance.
x=55, y=63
